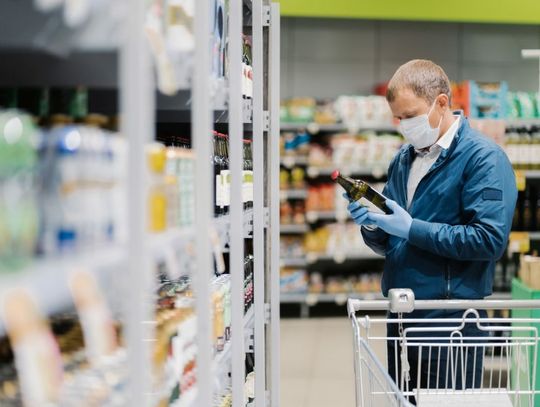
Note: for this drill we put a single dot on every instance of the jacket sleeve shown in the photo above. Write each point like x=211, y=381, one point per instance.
x=375, y=238
x=488, y=202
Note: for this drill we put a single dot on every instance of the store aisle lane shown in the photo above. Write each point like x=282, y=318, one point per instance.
x=316, y=364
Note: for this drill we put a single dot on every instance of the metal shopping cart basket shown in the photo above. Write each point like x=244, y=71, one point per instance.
x=471, y=358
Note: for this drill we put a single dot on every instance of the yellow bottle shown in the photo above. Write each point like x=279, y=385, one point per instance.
x=157, y=203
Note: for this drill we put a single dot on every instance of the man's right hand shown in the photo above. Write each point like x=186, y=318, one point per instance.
x=358, y=212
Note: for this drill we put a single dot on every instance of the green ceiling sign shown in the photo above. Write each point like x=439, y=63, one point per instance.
x=485, y=11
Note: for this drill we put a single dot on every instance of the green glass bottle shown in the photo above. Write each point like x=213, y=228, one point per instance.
x=358, y=189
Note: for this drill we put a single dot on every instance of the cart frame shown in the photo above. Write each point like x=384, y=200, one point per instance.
x=443, y=355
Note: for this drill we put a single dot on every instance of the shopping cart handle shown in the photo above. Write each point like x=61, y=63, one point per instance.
x=399, y=300
x=402, y=300
x=354, y=305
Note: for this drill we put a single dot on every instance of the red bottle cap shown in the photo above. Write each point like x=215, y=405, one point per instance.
x=334, y=175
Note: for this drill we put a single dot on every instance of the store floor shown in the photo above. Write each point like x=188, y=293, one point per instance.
x=316, y=363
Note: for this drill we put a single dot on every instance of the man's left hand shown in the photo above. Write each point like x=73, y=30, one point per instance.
x=398, y=223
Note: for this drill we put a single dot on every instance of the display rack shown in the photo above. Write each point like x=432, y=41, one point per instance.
x=202, y=106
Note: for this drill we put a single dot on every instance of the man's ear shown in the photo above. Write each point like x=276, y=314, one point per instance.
x=443, y=101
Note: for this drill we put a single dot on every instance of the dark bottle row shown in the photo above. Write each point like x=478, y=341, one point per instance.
x=527, y=214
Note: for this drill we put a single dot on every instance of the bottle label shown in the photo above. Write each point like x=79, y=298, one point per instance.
x=524, y=156
x=219, y=191
x=226, y=180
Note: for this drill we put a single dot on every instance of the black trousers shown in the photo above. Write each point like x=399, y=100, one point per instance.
x=444, y=366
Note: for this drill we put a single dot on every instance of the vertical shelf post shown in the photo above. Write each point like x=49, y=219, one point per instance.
x=258, y=203
x=273, y=148
x=201, y=133
x=137, y=123
x=236, y=130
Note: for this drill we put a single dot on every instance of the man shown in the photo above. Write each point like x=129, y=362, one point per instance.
x=452, y=192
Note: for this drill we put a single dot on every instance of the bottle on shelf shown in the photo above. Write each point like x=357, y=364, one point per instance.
x=157, y=200
x=222, y=174
x=358, y=189
x=247, y=175
x=217, y=162
x=18, y=200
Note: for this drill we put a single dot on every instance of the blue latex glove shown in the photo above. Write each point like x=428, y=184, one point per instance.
x=398, y=223
x=358, y=212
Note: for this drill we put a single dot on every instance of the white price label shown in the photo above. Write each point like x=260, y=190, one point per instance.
x=312, y=299
x=312, y=216
x=340, y=258
x=312, y=257
x=341, y=299
x=312, y=172
x=313, y=128
x=288, y=161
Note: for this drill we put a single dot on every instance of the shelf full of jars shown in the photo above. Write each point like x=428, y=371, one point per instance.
x=323, y=256
x=132, y=273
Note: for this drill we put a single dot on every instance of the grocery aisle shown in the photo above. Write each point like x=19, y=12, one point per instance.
x=316, y=363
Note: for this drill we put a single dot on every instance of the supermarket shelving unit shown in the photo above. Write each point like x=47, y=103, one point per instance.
x=117, y=33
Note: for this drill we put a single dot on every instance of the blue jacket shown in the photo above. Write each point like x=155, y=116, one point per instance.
x=462, y=214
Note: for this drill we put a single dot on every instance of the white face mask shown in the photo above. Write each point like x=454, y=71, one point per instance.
x=418, y=131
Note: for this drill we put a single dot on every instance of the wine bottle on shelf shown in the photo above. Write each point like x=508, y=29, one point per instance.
x=217, y=161
x=357, y=189
x=226, y=173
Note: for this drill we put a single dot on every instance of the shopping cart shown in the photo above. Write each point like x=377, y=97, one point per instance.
x=437, y=361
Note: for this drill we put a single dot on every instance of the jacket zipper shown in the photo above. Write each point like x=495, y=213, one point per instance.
x=447, y=282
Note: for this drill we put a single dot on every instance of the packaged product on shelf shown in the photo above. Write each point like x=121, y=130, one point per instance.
x=299, y=213
x=358, y=112
x=319, y=156
x=169, y=29
x=320, y=198
x=300, y=110
x=185, y=170
x=316, y=241
x=325, y=112
x=291, y=247
x=248, y=282
x=247, y=68
x=219, y=300
x=285, y=213
x=527, y=105
x=293, y=281
x=82, y=181
x=174, y=354
x=37, y=356
x=365, y=152
x=493, y=128
x=316, y=284
x=18, y=199
x=298, y=176
x=283, y=179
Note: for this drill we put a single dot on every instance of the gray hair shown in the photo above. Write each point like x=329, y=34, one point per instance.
x=425, y=78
